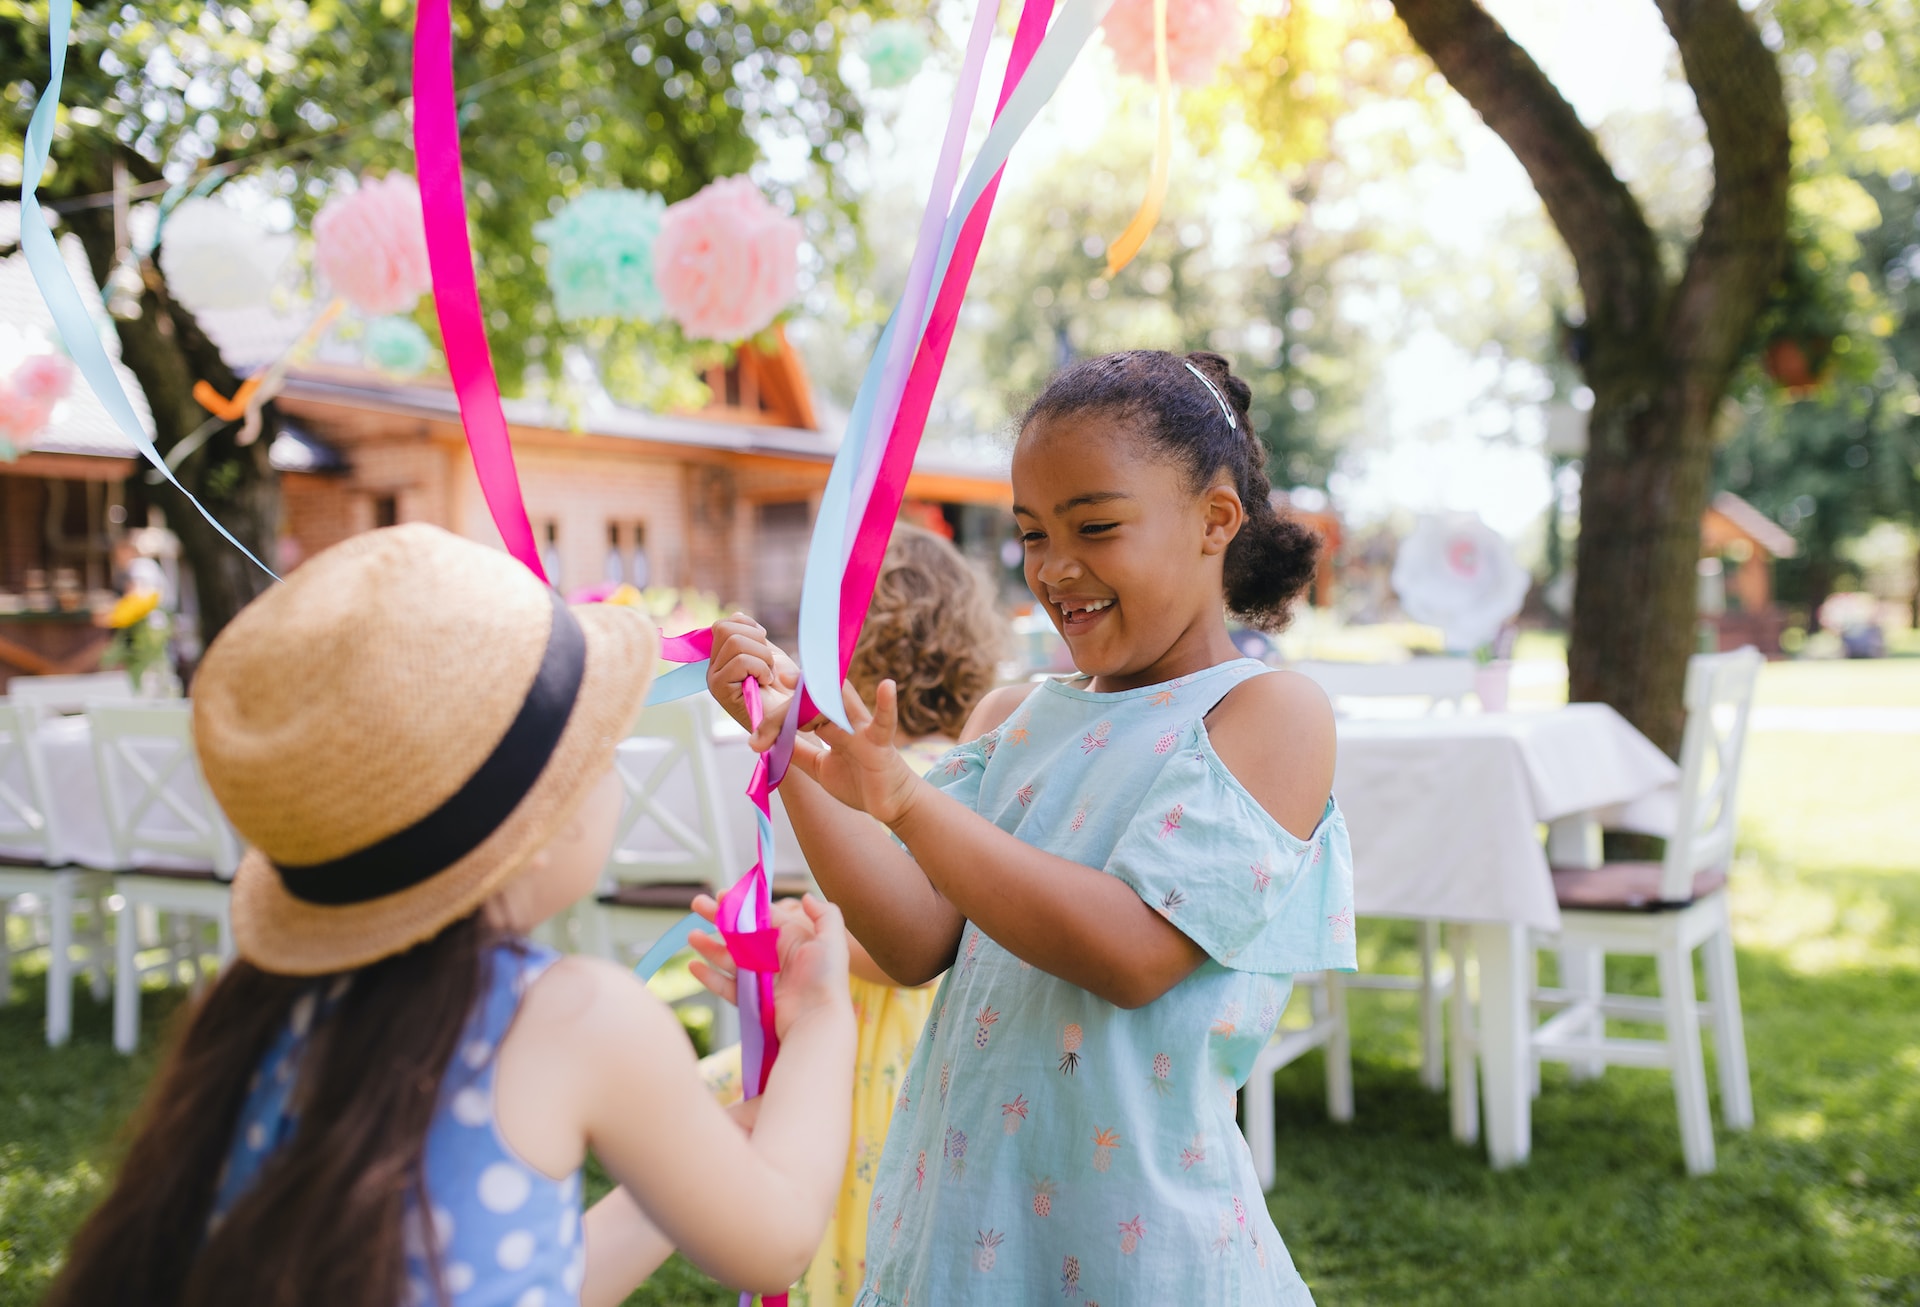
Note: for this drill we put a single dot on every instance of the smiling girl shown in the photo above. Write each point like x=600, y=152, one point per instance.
x=1119, y=872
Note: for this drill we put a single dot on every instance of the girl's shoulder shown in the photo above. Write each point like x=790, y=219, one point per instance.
x=1275, y=733
x=993, y=710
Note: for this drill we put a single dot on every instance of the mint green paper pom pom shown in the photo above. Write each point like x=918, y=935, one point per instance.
x=397, y=346
x=894, y=52
x=600, y=256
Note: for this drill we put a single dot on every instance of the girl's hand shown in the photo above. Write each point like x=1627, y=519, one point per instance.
x=741, y=651
x=813, y=960
x=860, y=767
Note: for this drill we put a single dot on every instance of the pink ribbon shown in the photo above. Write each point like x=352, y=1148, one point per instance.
x=456, y=297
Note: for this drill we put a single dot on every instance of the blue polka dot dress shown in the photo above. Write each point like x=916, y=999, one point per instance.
x=506, y=1235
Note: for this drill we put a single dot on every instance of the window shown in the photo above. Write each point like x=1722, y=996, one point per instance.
x=386, y=510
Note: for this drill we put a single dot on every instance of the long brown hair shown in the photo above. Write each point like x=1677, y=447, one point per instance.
x=323, y=1223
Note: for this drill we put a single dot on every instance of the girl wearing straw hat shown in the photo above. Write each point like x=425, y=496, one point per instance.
x=388, y=1098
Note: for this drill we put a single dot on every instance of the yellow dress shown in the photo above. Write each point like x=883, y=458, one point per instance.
x=888, y=1020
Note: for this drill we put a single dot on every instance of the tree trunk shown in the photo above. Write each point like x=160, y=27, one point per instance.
x=167, y=351
x=1661, y=351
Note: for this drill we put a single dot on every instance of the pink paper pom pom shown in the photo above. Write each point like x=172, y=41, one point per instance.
x=372, y=246
x=1200, y=36
x=27, y=398
x=726, y=262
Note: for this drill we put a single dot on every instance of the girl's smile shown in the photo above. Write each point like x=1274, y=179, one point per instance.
x=1121, y=551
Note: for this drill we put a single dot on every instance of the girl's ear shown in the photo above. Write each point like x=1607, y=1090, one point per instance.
x=1222, y=516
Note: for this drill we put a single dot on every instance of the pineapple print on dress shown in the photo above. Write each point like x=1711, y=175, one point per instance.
x=1166, y=742
x=956, y=1150
x=1043, y=1191
x=1013, y=1115
x=1070, y=1276
x=1104, y=1142
x=1162, y=1079
x=1097, y=737
x=1070, y=1039
x=1079, y=818
x=1131, y=1233
x=986, y=1244
x=983, y=1025
x=1193, y=1154
x=1171, y=822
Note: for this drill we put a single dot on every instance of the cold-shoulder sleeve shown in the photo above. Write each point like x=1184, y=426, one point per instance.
x=1204, y=854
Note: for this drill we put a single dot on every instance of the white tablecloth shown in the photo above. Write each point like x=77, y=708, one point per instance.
x=1444, y=812
x=78, y=814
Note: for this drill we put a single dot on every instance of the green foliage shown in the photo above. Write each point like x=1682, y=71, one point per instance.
x=296, y=95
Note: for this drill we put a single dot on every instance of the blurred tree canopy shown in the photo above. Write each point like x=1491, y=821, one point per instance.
x=1829, y=461
x=291, y=97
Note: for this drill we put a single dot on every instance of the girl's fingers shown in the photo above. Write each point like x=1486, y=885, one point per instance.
x=857, y=714
x=714, y=951
x=705, y=905
x=886, y=709
x=721, y=986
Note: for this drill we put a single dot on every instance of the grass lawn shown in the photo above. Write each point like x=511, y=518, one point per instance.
x=1819, y=1204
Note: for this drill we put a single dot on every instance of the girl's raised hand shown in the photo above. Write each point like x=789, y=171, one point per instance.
x=860, y=767
x=813, y=959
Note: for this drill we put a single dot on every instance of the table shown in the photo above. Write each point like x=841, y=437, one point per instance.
x=1444, y=814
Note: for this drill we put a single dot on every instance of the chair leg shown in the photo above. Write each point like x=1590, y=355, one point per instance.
x=1256, y=1102
x=1583, y=973
x=1729, y=1030
x=1433, y=997
x=224, y=925
x=1682, y=1015
x=1339, y=1051
x=1532, y=965
x=60, y=960
x=1463, y=1079
x=126, y=980
x=6, y=953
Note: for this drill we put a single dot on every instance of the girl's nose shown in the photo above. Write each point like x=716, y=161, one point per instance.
x=1058, y=568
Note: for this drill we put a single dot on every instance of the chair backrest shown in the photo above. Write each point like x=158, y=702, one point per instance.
x=1719, y=699
x=1437, y=680
x=70, y=694
x=26, y=817
x=153, y=795
x=677, y=755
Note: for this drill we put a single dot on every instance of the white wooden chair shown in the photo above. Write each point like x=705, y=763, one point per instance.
x=37, y=886
x=1668, y=909
x=156, y=802
x=1326, y=1028
x=1436, y=684
x=646, y=891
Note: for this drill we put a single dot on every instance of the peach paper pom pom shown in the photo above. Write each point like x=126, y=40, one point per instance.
x=1200, y=36
x=726, y=262
x=28, y=397
x=371, y=246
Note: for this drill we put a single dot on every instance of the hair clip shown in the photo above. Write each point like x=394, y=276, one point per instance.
x=1214, y=390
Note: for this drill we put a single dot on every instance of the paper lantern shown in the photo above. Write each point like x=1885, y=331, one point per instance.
x=600, y=256
x=397, y=347
x=1201, y=34
x=27, y=399
x=371, y=246
x=726, y=261
x=894, y=51
x=1457, y=573
x=215, y=258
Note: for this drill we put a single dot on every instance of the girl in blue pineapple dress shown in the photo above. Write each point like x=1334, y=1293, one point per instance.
x=1159, y=853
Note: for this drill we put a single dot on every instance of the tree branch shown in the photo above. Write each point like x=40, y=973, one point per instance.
x=1613, y=248
x=1742, y=240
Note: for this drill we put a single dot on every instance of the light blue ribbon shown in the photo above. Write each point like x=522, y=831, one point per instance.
x=69, y=311
x=680, y=683
x=818, y=645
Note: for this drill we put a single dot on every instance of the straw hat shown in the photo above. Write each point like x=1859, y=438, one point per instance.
x=395, y=731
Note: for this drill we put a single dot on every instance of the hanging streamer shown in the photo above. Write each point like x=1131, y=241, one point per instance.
x=1127, y=244
x=70, y=316
x=456, y=297
x=828, y=608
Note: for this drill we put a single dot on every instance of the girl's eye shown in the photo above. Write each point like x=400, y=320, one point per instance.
x=1094, y=528
x=1032, y=537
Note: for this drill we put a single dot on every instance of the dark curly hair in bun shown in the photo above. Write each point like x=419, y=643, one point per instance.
x=1179, y=415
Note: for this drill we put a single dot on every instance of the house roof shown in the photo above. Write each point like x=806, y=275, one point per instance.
x=1755, y=525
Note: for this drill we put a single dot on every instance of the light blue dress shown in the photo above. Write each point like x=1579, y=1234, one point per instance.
x=1049, y=1146
x=504, y=1232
